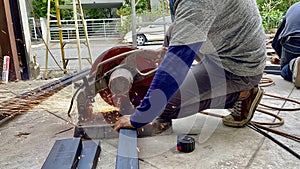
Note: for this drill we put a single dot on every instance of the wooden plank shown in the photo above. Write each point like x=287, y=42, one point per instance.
x=8, y=40
x=89, y=155
x=64, y=154
x=127, y=150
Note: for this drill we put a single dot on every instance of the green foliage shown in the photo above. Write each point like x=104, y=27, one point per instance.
x=40, y=10
x=141, y=7
x=273, y=11
x=271, y=18
x=125, y=25
x=281, y=5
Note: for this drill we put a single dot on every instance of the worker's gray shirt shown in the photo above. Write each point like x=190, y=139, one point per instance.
x=231, y=32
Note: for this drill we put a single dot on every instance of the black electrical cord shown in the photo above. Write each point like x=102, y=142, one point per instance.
x=76, y=93
x=255, y=128
x=73, y=98
x=283, y=134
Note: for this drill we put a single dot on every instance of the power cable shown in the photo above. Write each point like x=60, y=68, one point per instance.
x=259, y=126
x=255, y=128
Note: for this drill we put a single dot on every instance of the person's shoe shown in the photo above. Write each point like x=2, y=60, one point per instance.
x=243, y=110
x=158, y=126
x=296, y=72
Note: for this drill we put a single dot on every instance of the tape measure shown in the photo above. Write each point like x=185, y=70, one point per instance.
x=185, y=143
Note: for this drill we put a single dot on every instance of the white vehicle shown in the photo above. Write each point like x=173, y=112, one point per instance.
x=154, y=32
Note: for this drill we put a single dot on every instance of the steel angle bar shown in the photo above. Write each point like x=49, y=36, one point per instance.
x=127, y=156
x=89, y=155
x=64, y=154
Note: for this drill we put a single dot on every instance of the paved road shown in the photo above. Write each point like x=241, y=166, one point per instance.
x=71, y=51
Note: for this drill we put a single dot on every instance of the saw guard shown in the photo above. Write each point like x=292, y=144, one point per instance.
x=145, y=61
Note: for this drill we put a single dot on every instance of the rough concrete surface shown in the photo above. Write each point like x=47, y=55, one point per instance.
x=27, y=139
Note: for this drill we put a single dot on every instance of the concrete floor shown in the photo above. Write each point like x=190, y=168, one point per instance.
x=26, y=140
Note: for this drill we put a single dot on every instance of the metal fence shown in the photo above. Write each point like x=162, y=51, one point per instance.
x=33, y=29
x=97, y=29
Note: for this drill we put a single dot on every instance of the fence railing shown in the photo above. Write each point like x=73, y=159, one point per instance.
x=97, y=29
x=33, y=29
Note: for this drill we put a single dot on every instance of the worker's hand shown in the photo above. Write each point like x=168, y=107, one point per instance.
x=123, y=122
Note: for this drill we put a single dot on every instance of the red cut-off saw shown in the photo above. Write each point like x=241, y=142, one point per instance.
x=121, y=76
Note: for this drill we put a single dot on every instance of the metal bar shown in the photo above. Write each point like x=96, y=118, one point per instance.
x=47, y=37
x=127, y=156
x=64, y=154
x=89, y=155
x=62, y=81
x=34, y=29
x=163, y=14
x=85, y=32
x=127, y=150
x=73, y=153
x=134, y=35
x=7, y=118
x=44, y=91
x=77, y=34
x=96, y=31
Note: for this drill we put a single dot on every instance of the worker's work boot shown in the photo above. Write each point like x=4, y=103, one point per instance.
x=158, y=126
x=244, y=108
x=296, y=72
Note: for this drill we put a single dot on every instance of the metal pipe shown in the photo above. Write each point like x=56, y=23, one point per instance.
x=47, y=36
x=134, y=35
x=77, y=35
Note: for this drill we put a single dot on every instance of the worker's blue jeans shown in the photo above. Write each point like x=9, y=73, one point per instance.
x=290, y=50
x=207, y=86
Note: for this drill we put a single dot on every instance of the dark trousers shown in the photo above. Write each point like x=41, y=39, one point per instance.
x=207, y=86
x=290, y=51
